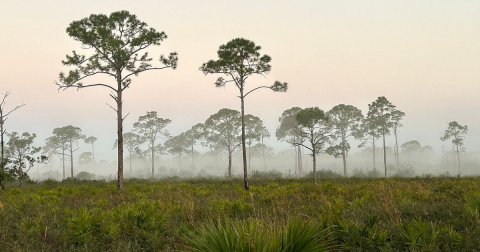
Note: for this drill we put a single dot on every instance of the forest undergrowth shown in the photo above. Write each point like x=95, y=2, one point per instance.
x=211, y=214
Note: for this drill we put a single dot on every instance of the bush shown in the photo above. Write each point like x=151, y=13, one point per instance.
x=272, y=174
x=85, y=176
x=251, y=235
x=404, y=172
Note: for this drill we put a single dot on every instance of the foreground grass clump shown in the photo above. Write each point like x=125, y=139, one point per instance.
x=343, y=214
x=256, y=236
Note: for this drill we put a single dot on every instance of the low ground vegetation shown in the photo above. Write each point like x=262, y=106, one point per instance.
x=212, y=214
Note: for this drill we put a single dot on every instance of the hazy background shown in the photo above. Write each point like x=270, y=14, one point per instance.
x=423, y=56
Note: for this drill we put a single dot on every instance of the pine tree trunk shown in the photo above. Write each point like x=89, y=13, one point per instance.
x=314, y=166
x=20, y=172
x=397, y=161
x=63, y=161
x=93, y=153
x=245, y=172
x=453, y=150
x=229, y=163
x=373, y=143
x=384, y=154
x=71, y=159
x=249, y=157
x=296, y=158
x=2, y=164
x=153, y=160
x=119, y=133
x=263, y=155
x=344, y=153
x=299, y=155
x=458, y=156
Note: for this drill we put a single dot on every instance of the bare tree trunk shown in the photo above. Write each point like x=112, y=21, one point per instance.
x=93, y=153
x=458, y=156
x=153, y=161
x=384, y=154
x=373, y=143
x=299, y=157
x=245, y=172
x=119, y=134
x=263, y=155
x=229, y=163
x=249, y=157
x=63, y=160
x=344, y=153
x=20, y=172
x=453, y=150
x=397, y=157
x=71, y=159
x=2, y=164
x=296, y=158
x=314, y=166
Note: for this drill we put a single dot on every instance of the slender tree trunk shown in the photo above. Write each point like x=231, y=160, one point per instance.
x=119, y=133
x=458, y=156
x=153, y=161
x=344, y=153
x=229, y=163
x=397, y=157
x=245, y=172
x=249, y=157
x=299, y=160
x=71, y=159
x=63, y=161
x=2, y=164
x=20, y=172
x=263, y=155
x=373, y=143
x=296, y=158
x=453, y=150
x=93, y=153
x=384, y=154
x=314, y=158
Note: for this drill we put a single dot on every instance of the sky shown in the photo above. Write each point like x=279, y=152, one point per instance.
x=423, y=56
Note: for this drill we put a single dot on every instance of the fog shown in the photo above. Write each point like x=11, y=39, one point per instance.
x=282, y=163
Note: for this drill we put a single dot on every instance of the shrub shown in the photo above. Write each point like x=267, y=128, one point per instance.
x=252, y=235
x=83, y=175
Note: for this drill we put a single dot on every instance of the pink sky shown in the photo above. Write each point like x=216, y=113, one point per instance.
x=424, y=56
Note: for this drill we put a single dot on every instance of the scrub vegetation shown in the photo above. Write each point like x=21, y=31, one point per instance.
x=212, y=214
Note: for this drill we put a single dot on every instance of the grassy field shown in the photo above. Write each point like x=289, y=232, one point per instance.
x=351, y=214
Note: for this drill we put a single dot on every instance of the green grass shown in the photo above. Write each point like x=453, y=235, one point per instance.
x=342, y=214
